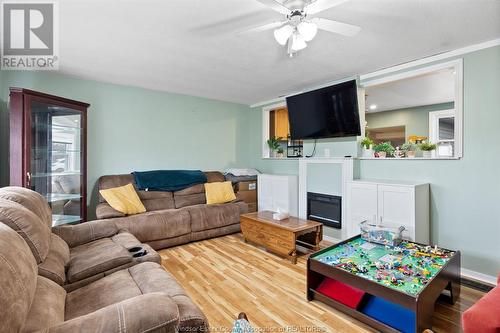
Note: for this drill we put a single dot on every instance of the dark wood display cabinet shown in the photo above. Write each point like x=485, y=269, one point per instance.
x=48, y=151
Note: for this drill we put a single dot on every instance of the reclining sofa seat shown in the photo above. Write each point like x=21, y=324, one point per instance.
x=142, y=298
x=173, y=218
x=71, y=256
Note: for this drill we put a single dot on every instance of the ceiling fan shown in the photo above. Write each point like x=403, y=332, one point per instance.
x=300, y=27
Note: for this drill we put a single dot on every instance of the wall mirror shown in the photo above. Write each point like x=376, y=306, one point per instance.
x=411, y=108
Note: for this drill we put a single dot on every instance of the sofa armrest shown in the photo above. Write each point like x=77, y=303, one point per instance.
x=105, y=211
x=145, y=313
x=85, y=232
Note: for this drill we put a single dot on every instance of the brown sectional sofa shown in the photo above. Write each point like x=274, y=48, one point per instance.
x=70, y=256
x=173, y=218
x=84, y=280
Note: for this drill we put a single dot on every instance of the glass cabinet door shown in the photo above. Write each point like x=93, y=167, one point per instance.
x=56, y=159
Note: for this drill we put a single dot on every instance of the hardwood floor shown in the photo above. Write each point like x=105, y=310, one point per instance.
x=225, y=276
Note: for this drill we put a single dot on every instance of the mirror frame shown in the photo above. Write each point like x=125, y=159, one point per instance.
x=400, y=74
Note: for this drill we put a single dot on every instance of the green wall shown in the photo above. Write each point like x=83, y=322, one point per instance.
x=137, y=129
x=464, y=193
x=415, y=119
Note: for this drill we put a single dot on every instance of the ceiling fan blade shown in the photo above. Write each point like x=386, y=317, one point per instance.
x=275, y=5
x=336, y=27
x=264, y=27
x=321, y=5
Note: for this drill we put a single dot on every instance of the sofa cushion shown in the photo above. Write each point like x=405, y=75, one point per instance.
x=214, y=176
x=155, y=312
x=162, y=224
x=189, y=200
x=195, y=189
x=18, y=277
x=96, y=257
x=105, y=211
x=30, y=200
x=47, y=308
x=106, y=182
x=124, y=199
x=204, y=217
x=34, y=231
x=54, y=265
x=144, y=278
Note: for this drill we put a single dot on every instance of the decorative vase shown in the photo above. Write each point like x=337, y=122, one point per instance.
x=398, y=153
x=410, y=154
x=280, y=155
x=382, y=154
x=427, y=154
x=367, y=152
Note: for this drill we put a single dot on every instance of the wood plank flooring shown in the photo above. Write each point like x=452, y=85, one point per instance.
x=225, y=276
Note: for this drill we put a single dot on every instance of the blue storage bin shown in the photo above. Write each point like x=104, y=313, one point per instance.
x=389, y=313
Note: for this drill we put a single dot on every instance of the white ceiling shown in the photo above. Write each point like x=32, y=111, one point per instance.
x=190, y=46
x=433, y=88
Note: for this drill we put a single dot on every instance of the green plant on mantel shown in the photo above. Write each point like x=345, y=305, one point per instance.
x=280, y=150
x=274, y=143
x=409, y=146
x=366, y=143
x=385, y=147
x=427, y=146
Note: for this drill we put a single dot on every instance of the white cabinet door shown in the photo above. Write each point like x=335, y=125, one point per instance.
x=280, y=194
x=265, y=192
x=396, y=205
x=363, y=204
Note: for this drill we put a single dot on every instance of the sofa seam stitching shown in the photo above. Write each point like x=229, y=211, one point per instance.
x=21, y=230
x=123, y=318
x=99, y=265
x=166, y=322
x=12, y=269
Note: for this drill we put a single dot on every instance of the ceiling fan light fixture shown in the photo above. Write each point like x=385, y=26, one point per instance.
x=308, y=30
x=298, y=42
x=282, y=34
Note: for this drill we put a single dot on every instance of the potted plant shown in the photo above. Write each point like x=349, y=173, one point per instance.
x=427, y=148
x=410, y=149
x=383, y=149
x=274, y=145
x=367, y=145
x=280, y=153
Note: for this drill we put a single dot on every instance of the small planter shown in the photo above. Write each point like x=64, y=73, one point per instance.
x=280, y=155
x=410, y=154
x=427, y=154
x=367, y=152
x=381, y=154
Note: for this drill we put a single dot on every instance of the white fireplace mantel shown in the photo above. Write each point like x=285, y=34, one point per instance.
x=347, y=176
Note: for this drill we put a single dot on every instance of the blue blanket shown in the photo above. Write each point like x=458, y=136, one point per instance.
x=168, y=180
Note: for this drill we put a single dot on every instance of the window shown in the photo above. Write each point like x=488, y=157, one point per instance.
x=442, y=132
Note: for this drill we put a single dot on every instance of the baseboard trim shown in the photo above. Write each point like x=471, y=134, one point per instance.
x=478, y=277
x=331, y=239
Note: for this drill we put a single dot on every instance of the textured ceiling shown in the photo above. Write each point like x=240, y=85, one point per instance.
x=191, y=46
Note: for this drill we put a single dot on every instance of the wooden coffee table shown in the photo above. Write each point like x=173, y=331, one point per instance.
x=281, y=237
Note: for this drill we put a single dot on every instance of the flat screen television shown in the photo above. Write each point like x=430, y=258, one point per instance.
x=325, y=113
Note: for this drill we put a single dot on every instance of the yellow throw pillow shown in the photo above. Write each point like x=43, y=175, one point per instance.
x=124, y=199
x=219, y=192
